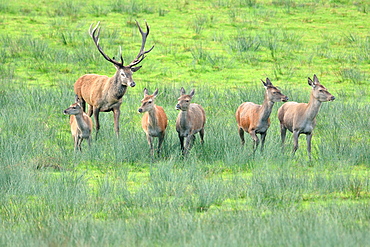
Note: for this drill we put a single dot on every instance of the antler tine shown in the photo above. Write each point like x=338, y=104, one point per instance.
x=120, y=53
x=140, y=56
x=95, y=33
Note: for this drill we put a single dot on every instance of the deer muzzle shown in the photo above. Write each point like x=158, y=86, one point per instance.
x=132, y=84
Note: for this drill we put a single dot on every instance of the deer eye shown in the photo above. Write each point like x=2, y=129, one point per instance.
x=187, y=101
x=123, y=74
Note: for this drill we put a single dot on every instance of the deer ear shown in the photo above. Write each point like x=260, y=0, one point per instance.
x=182, y=91
x=155, y=92
x=264, y=83
x=315, y=79
x=311, y=83
x=268, y=82
x=192, y=92
x=145, y=92
x=134, y=69
x=77, y=99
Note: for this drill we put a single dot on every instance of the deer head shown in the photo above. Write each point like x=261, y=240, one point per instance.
x=319, y=92
x=273, y=94
x=183, y=101
x=73, y=109
x=124, y=72
x=147, y=103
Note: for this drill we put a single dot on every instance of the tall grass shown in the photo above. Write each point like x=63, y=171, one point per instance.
x=220, y=195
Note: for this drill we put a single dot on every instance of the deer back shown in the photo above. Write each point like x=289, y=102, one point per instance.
x=157, y=121
x=154, y=120
x=251, y=116
x=302, y=116
x=247, y=115
x=192, y=116
x=192, y=119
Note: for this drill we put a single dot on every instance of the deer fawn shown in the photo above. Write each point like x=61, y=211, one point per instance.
x=103, y=93
x=300, y=118
x=255, y=119
x=154, y=121
x=190, y=120
x=81, y=124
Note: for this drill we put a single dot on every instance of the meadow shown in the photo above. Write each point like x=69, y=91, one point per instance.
x=114, y=194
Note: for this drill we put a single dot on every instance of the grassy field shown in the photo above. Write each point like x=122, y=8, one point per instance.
x=114, y=194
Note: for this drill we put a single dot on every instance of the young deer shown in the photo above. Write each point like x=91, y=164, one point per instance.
x=190, y=120
x=154, y=121
x=255, y=119
x=300, y=118
x=103, y=93
x=81, y=124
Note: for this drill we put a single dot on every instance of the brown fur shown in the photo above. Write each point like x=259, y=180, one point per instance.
x=81, y=125
x=300, y=118
x=255, y=119
x=190, y=120
x=103, y=93
x=154, y=121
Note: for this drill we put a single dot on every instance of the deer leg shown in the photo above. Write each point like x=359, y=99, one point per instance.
x=79, y=141
x=263, y=136
x=89, y=141
x=188, y=143
x=150, y=142
x=295, y=137
x=75, y=139
x=255, y=140
x=181, y=138
x=96, y=117
x=241, y=134
x=160, y=141
x=116, y=113
x=308, y=138
x=201, y=134
x=282, y=133
x=90, y=110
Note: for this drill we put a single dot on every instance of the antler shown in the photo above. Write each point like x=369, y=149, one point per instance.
x=94, y=33
x=141, y=54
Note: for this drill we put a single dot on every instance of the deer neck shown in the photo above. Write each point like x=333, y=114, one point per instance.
x=184, y=119
x=152, y=119
x=82, y=125
x=265, y=110
x=313, y=107
x=118, y=88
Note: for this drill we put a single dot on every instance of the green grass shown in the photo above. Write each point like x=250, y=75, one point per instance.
x=221, y=195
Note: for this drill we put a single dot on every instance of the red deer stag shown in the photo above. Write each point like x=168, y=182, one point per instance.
x=255, y=119
x=81, y=124
x=103, y=93
x=300, y=118
x=154, y=121
x=190, y=120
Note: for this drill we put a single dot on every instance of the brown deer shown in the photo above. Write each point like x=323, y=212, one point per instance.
x=81, y=124
x=154, y=121
x=255, y=119
x=190, y=120
x=103, y=93
x=300, y=118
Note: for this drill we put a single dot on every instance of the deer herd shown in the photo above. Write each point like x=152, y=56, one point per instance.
x=104, y=94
